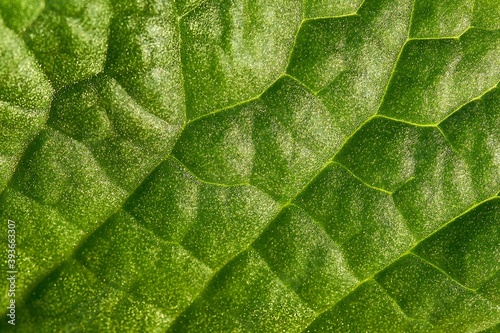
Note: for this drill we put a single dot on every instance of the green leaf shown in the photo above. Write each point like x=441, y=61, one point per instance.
x=251, y=166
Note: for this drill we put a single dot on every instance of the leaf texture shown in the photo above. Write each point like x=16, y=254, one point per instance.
x=251, y=166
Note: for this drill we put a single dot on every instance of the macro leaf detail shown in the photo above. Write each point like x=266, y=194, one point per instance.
x=251, y=166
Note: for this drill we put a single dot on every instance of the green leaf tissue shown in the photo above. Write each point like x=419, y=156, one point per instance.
x=203, y=166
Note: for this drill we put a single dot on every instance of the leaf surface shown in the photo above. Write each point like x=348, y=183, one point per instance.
x=251, y=166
